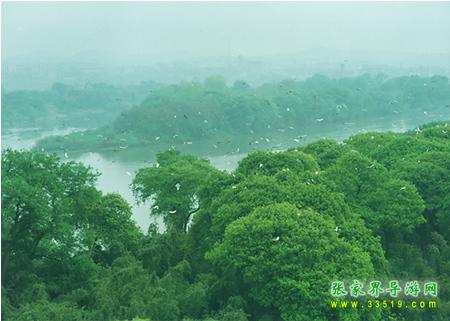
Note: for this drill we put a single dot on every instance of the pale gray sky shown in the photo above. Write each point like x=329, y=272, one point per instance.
x=218, y=29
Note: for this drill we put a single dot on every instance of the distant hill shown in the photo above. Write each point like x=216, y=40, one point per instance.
x=39, y=70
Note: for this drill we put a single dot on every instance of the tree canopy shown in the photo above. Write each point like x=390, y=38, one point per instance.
x=263, y=242
x=211, y=117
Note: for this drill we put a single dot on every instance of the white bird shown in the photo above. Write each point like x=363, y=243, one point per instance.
x=261, y=165
x=205, y=121
x=276, y=238
x=65, y=155
x=336, y=229
x=403, y=188
x=128, y=173
x=177, y=185
x=288, y=109
x=157, y=138
x=157, y=165
x=296, y=140
x=173, y=212
x=319, y=120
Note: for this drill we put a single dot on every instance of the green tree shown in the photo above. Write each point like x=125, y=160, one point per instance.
x=325, y=151
x=38, y=193
x=288, y=257
x=386, y=203
x=173, y=187
x=126, y=290
x=58, y=231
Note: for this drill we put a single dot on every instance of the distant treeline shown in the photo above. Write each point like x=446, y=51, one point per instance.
x=63, y=106
x=262, y=243
x=213, y=116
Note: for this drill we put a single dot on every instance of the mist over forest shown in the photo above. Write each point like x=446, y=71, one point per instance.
x=231, y=161
x=94, y=67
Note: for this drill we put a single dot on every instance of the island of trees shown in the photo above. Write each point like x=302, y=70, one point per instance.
x=209, y=117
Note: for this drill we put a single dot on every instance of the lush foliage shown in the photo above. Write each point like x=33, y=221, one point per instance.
x=66, y=106
x=260, y=243
x=211, y=117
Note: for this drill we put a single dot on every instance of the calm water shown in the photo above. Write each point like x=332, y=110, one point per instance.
x=118, y=168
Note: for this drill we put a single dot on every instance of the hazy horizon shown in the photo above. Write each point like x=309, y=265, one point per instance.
x=130, y=42
x=201, y=29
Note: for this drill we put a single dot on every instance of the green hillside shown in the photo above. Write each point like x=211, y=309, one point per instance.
x=62, y=106
x=213, y=117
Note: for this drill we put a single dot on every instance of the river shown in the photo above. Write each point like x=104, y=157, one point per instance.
x=118, y=169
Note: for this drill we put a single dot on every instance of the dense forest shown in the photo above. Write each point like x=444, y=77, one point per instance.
x=61, y=106
x=207, y=117
x=260, y=243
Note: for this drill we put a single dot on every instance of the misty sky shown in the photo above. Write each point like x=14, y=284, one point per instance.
x=220, y=29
